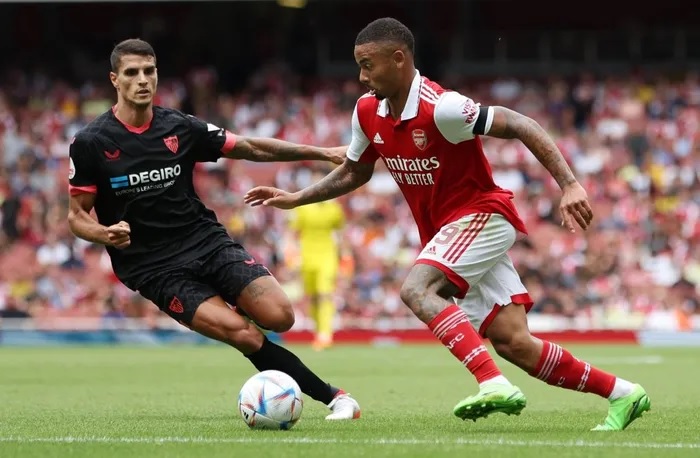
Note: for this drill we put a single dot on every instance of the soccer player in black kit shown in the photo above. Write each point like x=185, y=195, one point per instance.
x=134, y=165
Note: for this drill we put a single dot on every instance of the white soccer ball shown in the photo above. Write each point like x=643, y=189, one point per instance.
x=270, y=400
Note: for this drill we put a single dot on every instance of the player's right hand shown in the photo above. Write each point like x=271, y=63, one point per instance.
x=270, y=197
x=119, y=235
x=574, y=208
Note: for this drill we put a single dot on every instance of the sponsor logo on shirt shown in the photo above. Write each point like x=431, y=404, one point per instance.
x=146, y=180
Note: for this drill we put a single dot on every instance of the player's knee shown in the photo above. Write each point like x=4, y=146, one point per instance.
x=282, y=321
x=425, y=283
x=279, y=314
x=514, y=347
x=424, y=304
x=510, y=336
x=266, y=303
x=409, y=294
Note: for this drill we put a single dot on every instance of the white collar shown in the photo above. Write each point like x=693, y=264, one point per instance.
x=410, y=111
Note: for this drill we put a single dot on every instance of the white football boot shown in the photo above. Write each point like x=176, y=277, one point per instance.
x=343, y=407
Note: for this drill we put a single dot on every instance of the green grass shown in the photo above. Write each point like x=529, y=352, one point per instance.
x=181, y=401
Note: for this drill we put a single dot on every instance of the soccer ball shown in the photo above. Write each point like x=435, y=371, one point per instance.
x=270, y=400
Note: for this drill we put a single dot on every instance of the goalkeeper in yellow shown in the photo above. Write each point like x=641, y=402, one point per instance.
x=317, y=225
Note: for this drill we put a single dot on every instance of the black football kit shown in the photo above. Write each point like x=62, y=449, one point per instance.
x=180, y=255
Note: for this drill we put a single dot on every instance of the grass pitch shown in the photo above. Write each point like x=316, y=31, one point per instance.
x=181, y=401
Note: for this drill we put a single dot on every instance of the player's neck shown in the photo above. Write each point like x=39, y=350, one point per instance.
x=133, y=116
x=397, y=103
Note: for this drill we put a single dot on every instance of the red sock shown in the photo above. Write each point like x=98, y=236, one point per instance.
x=559, y=367
x=455, y=332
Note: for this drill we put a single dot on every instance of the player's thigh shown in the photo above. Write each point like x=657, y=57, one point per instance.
x=266, y=303
x=243, y=282
x=178, y=293
x=468, y=248
x=488, y=304
x=214, y=319
x=309, y=276
x=326, y=279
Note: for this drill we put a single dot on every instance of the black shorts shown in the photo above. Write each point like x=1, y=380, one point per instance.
x=225, y=273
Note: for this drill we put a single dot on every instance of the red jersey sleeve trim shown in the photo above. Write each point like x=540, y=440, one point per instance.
x=229, y=143
x=76, y=190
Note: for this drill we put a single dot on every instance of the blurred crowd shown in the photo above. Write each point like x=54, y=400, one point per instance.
x=633, y=142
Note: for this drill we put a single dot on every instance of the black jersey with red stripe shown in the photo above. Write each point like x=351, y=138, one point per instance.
x=144, y=176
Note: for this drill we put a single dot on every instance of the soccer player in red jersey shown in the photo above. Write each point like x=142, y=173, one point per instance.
x=134, y=166
x=463, y=283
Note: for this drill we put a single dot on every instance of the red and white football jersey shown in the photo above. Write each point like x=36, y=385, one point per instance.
x=434, y=154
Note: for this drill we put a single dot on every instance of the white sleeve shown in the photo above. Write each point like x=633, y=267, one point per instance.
x=459, y=118
x=359, y=142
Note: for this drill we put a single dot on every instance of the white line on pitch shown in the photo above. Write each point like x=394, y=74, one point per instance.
x=269, y=439
x=650, y=359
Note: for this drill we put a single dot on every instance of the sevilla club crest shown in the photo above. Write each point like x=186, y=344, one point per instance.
x=171, y=143
x=176, y=305
x=420, y=139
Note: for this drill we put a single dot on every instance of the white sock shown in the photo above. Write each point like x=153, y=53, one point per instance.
x=622, y=388
x=499, y=380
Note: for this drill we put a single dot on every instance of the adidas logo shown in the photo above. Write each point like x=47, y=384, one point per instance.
x=378, y=139
x=431, y=250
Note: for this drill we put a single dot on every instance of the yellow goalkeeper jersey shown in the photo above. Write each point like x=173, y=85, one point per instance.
x=316, y=225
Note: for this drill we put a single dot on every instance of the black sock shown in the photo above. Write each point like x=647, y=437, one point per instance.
x=272, y=356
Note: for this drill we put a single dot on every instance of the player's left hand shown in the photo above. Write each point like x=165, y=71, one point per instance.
x=574, y=206
x=269, y=196
x=337, y=154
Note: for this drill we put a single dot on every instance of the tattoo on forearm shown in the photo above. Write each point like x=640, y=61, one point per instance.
x=510, y=124
x=342, y=180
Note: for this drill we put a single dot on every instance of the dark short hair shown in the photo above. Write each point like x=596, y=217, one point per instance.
x=131, y=46
x=386, y=29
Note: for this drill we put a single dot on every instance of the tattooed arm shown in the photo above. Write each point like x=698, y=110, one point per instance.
x=510, y=124
x=574, y=204
x=355, y=171
x=344, y=179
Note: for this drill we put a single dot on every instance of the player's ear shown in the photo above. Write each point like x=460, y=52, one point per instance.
x=113, y=79
x=399, y=58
